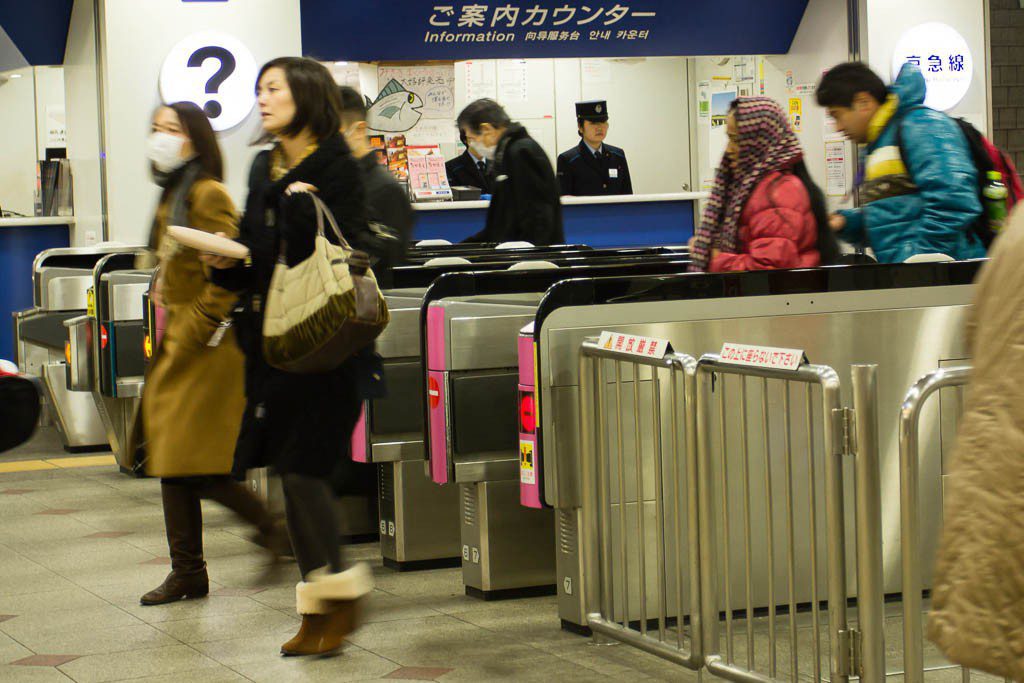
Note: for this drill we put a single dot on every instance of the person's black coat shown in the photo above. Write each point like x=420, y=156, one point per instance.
x=387, y=203
x=525, y=204
x=463, y=171
x=583, y=174
x=298, y=423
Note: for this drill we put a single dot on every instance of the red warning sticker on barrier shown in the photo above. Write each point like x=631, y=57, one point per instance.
x=634, y=345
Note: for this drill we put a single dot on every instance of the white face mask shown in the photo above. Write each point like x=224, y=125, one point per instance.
x=482, y=150
x=164, y=151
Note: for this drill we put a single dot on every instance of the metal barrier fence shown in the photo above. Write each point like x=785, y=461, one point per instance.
x=910, y=520
x=669, y=464
x=639, y=499
x=740, y=483
x=696, y=523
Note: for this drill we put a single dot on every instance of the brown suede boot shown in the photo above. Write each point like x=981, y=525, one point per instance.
x=183, y=519
x=342, y=621
x=307, y=641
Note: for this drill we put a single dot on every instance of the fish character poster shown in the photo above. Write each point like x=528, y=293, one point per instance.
x=410, y=94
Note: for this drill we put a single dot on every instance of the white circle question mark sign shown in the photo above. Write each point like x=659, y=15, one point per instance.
x=214, y=70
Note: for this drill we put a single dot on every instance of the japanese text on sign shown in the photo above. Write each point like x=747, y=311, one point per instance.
x=762, y=356
x=501, y=22
x=634, y=345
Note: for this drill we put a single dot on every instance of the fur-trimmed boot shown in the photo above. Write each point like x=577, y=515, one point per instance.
x=330, y=605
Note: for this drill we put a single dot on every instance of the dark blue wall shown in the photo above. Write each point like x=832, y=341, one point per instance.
x=18, y=249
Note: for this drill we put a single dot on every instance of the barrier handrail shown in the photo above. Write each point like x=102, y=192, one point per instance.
x=598, y=588
x=910, y=518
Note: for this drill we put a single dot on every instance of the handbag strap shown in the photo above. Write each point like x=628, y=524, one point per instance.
x=321, y=211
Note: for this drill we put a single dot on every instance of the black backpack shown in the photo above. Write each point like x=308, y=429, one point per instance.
x=19, y=410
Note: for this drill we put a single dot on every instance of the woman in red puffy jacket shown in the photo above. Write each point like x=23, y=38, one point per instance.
x=765, y=212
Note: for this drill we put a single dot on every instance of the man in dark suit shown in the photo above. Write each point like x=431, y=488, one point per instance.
x=525, y=205
x=593, y=167
x=469, y=170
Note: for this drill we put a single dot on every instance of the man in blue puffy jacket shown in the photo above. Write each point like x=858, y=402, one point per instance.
x=920, y=192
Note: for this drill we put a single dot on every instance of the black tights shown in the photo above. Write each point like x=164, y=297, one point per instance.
x=312, y=523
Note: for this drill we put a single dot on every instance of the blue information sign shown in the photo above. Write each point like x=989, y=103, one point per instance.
x=370, y=30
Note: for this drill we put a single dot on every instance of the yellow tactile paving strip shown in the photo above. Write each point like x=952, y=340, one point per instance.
x=56, y=463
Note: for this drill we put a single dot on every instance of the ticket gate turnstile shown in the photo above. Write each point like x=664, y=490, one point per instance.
x=61, y=282
x=471, y=325
x=105, y=348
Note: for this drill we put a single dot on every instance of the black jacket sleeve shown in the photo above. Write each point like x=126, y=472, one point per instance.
x=533, y=191
x=627, y=182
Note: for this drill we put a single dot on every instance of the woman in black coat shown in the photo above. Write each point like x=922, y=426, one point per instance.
x=300, y=424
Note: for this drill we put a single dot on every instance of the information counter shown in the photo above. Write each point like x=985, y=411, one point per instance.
x=614, y=221
x=20, y=240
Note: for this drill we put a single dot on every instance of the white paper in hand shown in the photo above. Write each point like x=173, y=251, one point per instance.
x=204, y=241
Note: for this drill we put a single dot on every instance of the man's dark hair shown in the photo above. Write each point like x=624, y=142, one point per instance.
x=204, y=141
x=483, y=111
x=353, y=108
x=841, y=84
x=317, y=103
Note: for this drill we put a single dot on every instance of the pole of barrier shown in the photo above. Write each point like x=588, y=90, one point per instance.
x=589, y=464
x=870, y=586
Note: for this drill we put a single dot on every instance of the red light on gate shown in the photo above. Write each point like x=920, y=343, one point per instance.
x=67, y=352
x=433, y=392
x=103, y=336
x=527, y=413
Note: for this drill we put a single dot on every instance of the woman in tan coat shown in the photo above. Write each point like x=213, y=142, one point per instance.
x=194, y=396
x=977, y=616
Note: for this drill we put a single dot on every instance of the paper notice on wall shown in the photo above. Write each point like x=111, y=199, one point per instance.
x=830, y=133
x=481, y=80
x=704, y=99
x=435, y=85
x=56, y=127
x=596, y=71
x=433, y=132
x=513, y=81
x=796, y=113
x=836, y=169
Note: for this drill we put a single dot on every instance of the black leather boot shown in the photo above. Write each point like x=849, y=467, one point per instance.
x=183, y=518
x=271, y=532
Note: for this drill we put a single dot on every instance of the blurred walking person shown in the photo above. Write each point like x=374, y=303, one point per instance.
x=300, y=425
x=765, y=212
x=977, y=615
x=193, y=399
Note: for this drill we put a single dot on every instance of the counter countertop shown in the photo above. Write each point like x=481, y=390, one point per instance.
x=570, y=201
x=41, y=220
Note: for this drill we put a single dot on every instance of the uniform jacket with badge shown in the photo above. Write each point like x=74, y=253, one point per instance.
x=525, y=204
x=977, y=614
x=193, y=400
x=920, y=192
x=298, y=423
x=464, y=171
x=582, y=173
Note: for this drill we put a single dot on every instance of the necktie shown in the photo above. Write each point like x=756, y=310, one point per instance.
x=482, y=165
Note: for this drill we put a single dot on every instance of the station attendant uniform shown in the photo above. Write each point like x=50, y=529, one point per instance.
x=583, y=171
x=465, y=170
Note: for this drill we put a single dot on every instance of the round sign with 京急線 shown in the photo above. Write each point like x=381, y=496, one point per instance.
x=214, y=70
x=944, y=58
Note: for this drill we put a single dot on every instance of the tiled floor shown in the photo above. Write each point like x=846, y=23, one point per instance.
x=79, y=545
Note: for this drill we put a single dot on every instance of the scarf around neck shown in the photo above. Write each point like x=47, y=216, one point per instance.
x=767, y=144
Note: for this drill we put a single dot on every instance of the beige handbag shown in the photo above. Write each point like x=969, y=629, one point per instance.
x=324, y=309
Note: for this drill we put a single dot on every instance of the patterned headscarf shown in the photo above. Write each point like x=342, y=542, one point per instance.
x=767, y=143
